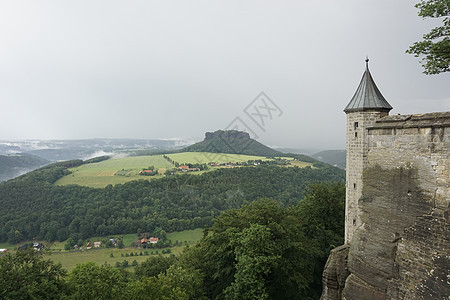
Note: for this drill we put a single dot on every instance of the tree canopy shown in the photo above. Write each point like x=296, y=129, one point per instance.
x=26, y=275
x=265, y=251
x=262, y=250
x=33, y=207
x=435, y=47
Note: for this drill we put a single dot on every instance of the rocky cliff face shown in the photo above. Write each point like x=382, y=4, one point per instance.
x=401, y=250
x=227, y=135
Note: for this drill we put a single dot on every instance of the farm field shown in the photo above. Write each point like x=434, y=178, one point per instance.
x=101, y=256
x=206, y=157
x=300, y=164
x=107, y=172
x=103, y=173
x=121, y=170
x=193, y=235
x=69, y=259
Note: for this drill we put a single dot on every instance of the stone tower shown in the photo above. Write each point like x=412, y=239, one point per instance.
x=366, y=106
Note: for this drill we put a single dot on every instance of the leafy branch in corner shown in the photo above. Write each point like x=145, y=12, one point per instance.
x=435, y=47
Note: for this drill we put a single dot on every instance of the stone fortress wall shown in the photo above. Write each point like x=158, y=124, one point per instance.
x=397, y=219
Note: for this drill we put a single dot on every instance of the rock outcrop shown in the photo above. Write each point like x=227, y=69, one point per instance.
x=227, y=135
x=401, y=249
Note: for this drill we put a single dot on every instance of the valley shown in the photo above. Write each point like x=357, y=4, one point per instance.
x=175, y=195
x=121, y=170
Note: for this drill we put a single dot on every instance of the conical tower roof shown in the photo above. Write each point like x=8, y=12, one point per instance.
x=367, y=96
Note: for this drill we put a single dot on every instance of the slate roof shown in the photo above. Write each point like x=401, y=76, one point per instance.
x=367, y=96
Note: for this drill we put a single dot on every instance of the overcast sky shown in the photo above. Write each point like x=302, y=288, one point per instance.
x=162, y=69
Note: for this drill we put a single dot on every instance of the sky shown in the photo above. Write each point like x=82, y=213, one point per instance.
x=165, y=69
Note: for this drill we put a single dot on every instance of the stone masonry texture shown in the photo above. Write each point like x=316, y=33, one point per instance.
x=399, y=247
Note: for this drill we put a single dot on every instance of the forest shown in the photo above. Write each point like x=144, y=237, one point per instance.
x=34, y=208
x=263, y=250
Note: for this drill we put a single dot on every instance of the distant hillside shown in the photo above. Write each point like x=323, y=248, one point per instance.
x=231, y=141
x=14, y=165
x=305, y=151
x=333, y=157
x=34, y=207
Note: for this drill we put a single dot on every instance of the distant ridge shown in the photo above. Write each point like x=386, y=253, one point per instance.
x=231, y=141
x=333, y=157
x=14, y=165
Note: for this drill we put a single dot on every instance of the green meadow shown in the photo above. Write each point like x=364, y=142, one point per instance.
x=121, y=170
x=207, y=157
x=102, y=255
x=300, y=164
x=114, y=171
x=193, y=235
x=6, y=246
x=69, y=259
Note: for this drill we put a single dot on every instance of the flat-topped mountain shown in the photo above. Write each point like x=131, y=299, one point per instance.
x=227, y=134
x=231, y=141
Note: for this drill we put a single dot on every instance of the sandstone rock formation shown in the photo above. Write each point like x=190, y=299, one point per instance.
x=401, y=249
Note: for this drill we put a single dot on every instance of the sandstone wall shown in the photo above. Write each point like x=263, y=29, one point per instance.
x=401, y=250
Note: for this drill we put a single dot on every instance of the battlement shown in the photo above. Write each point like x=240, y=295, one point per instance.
x=436, y=119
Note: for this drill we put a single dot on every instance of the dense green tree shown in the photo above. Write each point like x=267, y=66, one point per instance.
x=91, y=281
x=69, y=244
x=154, y=266
x=266, y=251
x=26, y=275
x=256, y=254
x=263, y=250
x=435, y=47
x=256, y=251
x=323, y=214
x=177, y=284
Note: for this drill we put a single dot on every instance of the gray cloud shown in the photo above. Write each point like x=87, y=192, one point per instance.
x=154, y=69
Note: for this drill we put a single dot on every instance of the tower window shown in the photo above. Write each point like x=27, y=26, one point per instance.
x=356, y=134
x=356, y=125
x=354, y=185
x=354, y=222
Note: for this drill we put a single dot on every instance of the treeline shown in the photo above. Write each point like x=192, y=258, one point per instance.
x=34, y=208
x=260, y=251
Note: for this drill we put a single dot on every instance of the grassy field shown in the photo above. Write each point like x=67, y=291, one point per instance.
x=121, y=170
x=206, y=157
x=69, y=259
x=187, y=235
x=103, y=173
x=6, y=246
x=300, y=164
x=100, y=256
